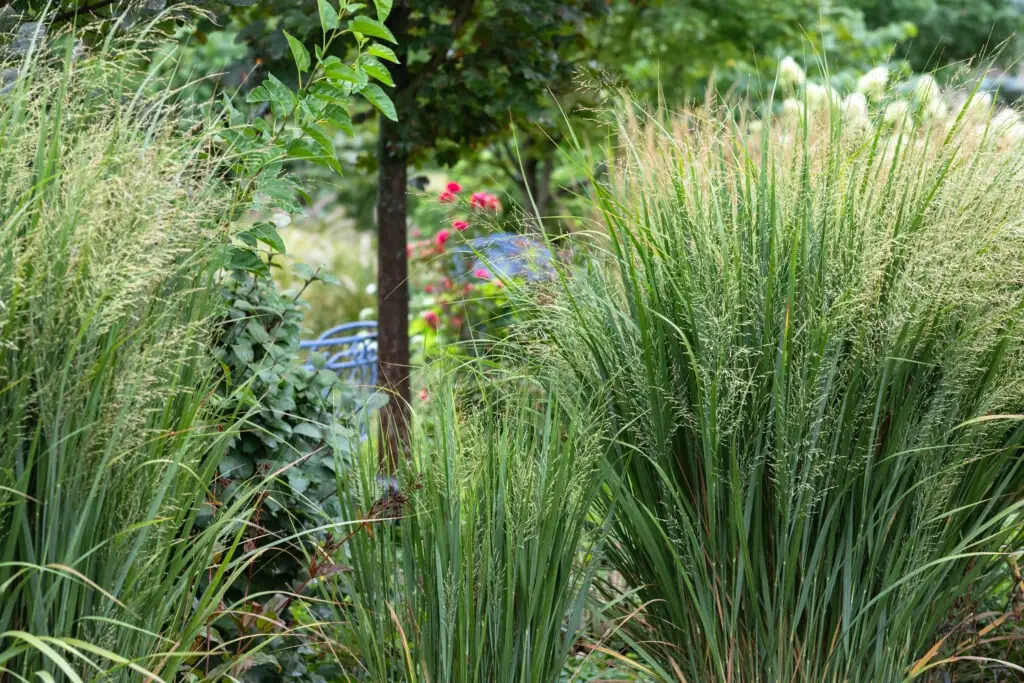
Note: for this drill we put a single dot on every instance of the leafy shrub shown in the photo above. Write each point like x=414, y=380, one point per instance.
x=810, y=357
x=300, y=426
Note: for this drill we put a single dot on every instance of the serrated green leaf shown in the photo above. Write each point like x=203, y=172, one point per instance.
x=375, y=401
x=383, y=9
x=244, y=351
x=374, y=68
x=308, y=429
x=297, y=480
x=267, y=233
x=303, y=271
x=299, y=52
x=371, y=27
x=258, y=94
x=384, y=52
x=336, y=70
x=340, y=118
x=375, y=96
x=319, y=135
x=328, y=15
x=300, y=149
x=245, y=259
x=256, y=330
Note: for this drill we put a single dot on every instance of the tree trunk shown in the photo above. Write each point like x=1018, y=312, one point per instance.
x=392, y=297
x=537, y=182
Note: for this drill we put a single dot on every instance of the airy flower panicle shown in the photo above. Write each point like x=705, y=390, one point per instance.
x=791, y=73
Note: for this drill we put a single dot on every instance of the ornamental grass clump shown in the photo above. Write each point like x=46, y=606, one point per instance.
x=476, y=564
x=809, y=351
x=109, y=216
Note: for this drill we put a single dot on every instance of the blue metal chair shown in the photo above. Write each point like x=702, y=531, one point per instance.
x=351, y=351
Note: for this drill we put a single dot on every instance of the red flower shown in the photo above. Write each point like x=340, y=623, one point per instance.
x=482, y=273
x=478, y=200
x=441, y=237
x=493, y=204
x=446, y=197
x=460, y=225
x=429, y=289
x=430, y=317
x=453, y=187
x=423, y=395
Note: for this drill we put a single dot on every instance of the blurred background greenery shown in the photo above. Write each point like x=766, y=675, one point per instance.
x=660, y=51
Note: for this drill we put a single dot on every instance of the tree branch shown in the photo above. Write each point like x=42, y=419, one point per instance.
x=88, y=9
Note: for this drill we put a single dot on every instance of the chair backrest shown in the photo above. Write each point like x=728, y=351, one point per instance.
x=509, y=254
x=351, y=351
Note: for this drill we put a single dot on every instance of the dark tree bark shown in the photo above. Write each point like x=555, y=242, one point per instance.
x=392, y=299
x=393, y=272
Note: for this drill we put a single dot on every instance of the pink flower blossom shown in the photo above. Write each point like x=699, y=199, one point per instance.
x=482, y=273
x=429, y=289
x=478, y=200
x=456, y=322
x=423, y=395
x=493, y=204
x=446, y=197
x=460, y=225
x=447, y=283
x=453, y=187
x=430, y=317
x=441, y=237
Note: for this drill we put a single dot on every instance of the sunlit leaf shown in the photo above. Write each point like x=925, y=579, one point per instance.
x=375, y=96
x=372, y=66
x=384, y=52
x=328, y=15
x=299, y=52
x=371, y=27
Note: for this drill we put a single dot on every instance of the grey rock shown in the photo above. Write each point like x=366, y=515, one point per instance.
x=29, y=33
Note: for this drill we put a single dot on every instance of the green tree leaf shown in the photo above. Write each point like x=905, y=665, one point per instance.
x=375, y=96
x=328, y=15
x=299, y=52
x=384, y=52
x=267, y=233
x=374, y=68
x=242, y=258
x=383, y=9
x=370, y=27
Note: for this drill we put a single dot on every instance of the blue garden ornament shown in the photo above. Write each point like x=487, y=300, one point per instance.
x=505, y=255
